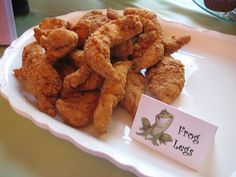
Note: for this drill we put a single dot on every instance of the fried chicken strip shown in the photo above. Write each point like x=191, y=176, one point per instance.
x=84, y=78
x=134, y=87
x=113, y=14
x=58, y=43
x=172, y=44
x=47, y=25
x=123, y=50
x=39, y=77
x=112, y=92
x=166, y=79
x=93, y=82
x=97, y=47
x=64, y=67
x=77, y=110
x=149, y=48
x=89, y=23
x=79, y=76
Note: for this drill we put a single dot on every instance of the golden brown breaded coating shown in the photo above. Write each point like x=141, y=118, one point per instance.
x=134, y=87
x=77, y=78
x=54, y=23
x=149, y=48
x=77, y=56
x=97, y=47
x=84, y=77
x=90, y=22
x=65, y=70
x=64, y=67
x=77, y=110
x=123, y=50
x=67, y=93
x=112, y=92
x=145, y=14
x=116, y=86
x=41, y=79
x=58, y=43
x=166, y=79
x=46, y=104
x=93, y=82
x=103, y=112
x=49, y=24
x=81, y=74
x=113, y=14
x=172, y=44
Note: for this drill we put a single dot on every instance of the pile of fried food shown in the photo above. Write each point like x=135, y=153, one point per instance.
x=83, y=71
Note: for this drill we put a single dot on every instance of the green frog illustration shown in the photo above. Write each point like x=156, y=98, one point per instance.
x=156, y=132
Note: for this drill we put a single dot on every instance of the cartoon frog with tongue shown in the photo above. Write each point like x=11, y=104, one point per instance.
x=156, y=131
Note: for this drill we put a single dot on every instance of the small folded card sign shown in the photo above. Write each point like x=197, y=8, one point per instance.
x=174, y=133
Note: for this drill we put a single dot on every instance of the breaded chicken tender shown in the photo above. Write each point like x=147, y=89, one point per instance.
x=54, y=23
x=47, y=25
x=93, y=82
x=81, y=74
x=123, y=50
x=149, y=49
x=116, y=86
x=145, y=14
x=113, y=14
x=89, y=23
x=64, y=67
x=103, y=113
x=112, y=92
x=77, y=110
x=166, y=79
x=84, y=78
x=172, y=44
x=97, y=47
x=134, y=87
x=58, y=43
x=39, y=77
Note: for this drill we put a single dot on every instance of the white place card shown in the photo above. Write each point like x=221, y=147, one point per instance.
x=178, y=135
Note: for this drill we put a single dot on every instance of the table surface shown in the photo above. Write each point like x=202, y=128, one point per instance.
x=29, y=151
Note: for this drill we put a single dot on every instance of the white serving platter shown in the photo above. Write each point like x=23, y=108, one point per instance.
x=209, y=93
